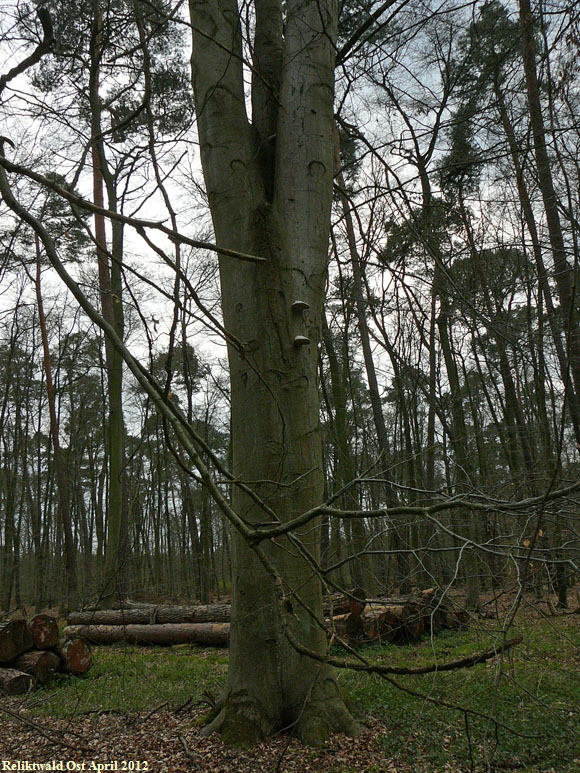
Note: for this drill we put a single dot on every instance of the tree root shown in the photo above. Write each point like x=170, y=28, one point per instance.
x=325, y=713
x=243, y=721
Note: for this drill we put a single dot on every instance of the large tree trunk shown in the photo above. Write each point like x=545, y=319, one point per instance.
x=269, y=186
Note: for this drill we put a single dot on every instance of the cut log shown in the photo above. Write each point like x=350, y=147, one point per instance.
x=41, y=664
x=341, y=604
x=75, y=654
x=44, y=630
x=144, y=614
x=206, y=613
x=383, y=623
x=401, y=620
x=13, y=682
x=203, y=634
x=15, y=638
x=348, y=627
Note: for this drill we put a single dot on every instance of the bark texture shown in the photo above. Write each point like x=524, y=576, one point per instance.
x=75, y=655
x=204, y=634
x=269, y=186
x=15, y=638
x=44, y=631
x=203, y=613
x=42, y=664
x=13, y=682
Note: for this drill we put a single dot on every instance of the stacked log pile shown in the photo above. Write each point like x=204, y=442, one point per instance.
x=398, y=620
x=205, y=625
x=31, y=652
x=395, y=620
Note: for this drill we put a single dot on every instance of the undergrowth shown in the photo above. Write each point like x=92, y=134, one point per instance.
x=518, y=711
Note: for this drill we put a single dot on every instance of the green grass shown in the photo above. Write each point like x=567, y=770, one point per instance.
x=530, y=698
x=129, y=679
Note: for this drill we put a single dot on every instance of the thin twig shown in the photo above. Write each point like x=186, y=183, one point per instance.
x=155, y=710
x=45, y=733
x=186, y=749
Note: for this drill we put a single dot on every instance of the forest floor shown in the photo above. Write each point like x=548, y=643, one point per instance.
x=140, y=708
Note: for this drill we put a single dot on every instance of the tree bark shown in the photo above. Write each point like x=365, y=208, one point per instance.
x=75, y=655
x=40, y=664
x=269, y=187
x=44, y=631
x=110, y=288
x=207, y=613
x=15, y=638
x=203, y=634
x=13, y=682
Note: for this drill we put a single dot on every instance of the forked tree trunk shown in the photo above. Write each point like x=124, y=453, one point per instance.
x=269, y=186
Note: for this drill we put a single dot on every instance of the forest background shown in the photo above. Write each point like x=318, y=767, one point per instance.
x=447, y=352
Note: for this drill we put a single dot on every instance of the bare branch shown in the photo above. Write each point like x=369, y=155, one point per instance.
x=41, y=49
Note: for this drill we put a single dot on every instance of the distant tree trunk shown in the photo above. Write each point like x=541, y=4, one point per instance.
x=345, y=467
x=398, y=530
x=71, y=585
x=564, y=274
x=553, y=317
x=110, y=285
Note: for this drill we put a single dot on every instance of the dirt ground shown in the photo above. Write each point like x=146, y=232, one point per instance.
x=169, y=742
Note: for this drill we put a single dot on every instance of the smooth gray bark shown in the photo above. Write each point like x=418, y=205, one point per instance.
x=269, y=186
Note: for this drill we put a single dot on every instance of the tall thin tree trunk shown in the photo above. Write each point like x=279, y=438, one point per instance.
x=71, y=584
x=110, y=285
x=399, y=530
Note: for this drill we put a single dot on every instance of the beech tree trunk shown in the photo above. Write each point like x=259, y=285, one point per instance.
x=269, y=186
x=110, y=288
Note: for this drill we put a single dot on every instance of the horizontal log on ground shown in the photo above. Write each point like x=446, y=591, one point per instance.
x=340, y=604
x=75, y=654
x=44, y=631
x=162, y=614
x=398, y=620
x=346, y=626
x=397, y=624
x=41, y=664
x=15, y=638
x=203, y=634
x=13, y=682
